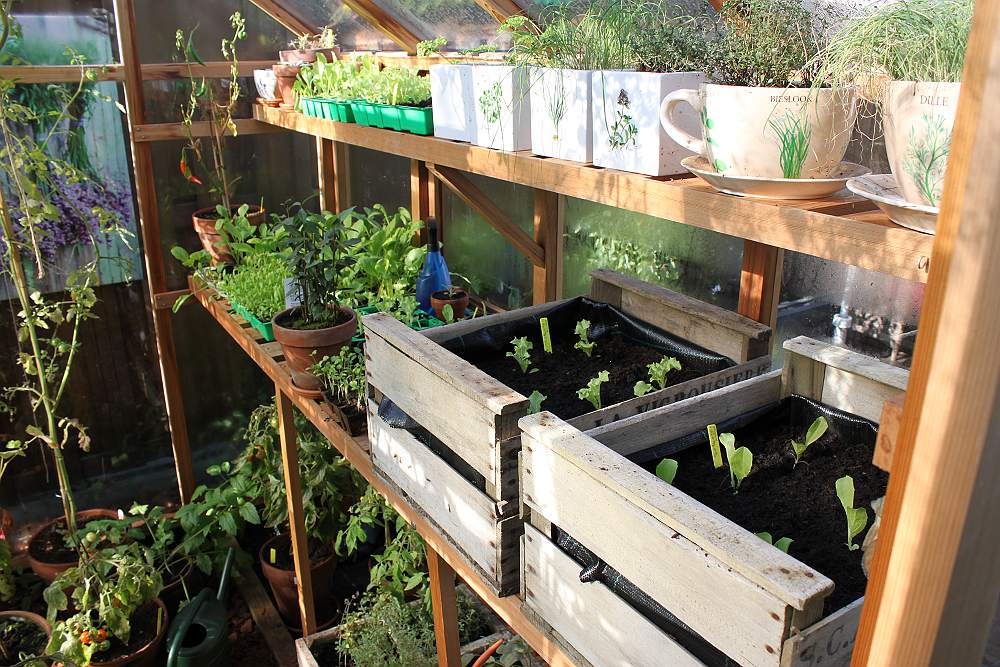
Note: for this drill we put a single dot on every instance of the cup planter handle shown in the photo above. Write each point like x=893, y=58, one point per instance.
x=692, y=97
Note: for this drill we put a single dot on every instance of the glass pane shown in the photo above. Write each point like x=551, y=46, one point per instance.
x=865, y=311
x=696, y=262
x=499, y=273
x=464, y=23
x=353, y=32
x=379, y=178
x=51, y=27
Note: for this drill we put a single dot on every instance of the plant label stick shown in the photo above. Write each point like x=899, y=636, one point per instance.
x=713, y=442
x=159, y=620
x=546, y=336
x=274, y=556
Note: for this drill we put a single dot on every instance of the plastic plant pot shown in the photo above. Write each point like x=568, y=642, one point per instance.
x=345, y=113
x=361, y=113
x=306, y=106
x=265, y=329
x=391, y=117
x=418, y=120
x=374, y=117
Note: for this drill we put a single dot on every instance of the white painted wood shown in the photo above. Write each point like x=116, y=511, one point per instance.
x=502, y=107
x=595, y=621
x=661, y=425
x=453, y=108
x=562, y=121
x=829, y=643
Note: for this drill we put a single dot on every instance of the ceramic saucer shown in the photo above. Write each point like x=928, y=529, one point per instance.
x=774, y=188
x=882, y=189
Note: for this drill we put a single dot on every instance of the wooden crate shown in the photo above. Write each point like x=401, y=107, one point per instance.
x=475, y=416
x=755, y=603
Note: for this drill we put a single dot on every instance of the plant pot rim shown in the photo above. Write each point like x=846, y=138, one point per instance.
x=87, y=515
x=441, y=295
x=255, y=209
x=288, y=312
x=280, y=537
x=28, y=616
x=285, y=69
x=146, y=648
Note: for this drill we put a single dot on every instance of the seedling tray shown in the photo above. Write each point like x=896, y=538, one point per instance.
x=719, y=593
x=263, y=328
x=417, y=120
x=421, y=321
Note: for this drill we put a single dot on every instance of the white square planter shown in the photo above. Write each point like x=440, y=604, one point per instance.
x=452, y=102
x=503, y=107
x=627, y=131
x=561, y=115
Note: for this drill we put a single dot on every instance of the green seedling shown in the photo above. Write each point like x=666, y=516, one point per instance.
x=857, y=517
x=667, y=470
x=782, y=544
x=535, y=402
x=448, y=313
x=814, y=433
x=522, y=352
x=658, y=371
x=642, y=388
x=585, y=344
x=740, y=460
x=592, y=392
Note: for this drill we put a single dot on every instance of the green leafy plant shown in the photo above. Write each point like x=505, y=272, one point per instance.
x=782, y=543
x=535, y=402
x=592, y=392
x=740, y=460
x=258, y=284
x=658, y=370
x=813, y=433
x=642, y=388
x=585, y=344
x=326, y=38
x=522, y=352
x=666, y=470
x=857, y=517
x=343, y=376
x=383, y=630
x=383, y=262
x=429, y=47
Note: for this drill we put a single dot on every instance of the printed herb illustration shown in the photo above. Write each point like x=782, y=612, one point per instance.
x=707, y=126
x=857, y=517
x=623, y=130
x=490, y=101
x=927, y=157
x=794, y=133
x=555, y=105
x=592, y=392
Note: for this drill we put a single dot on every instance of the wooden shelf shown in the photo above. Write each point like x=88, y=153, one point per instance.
x=268, y=357
x=846, y=228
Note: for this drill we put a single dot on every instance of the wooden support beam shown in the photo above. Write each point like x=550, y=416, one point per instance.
x=760, y=282
x=149, y=229
x=549, y=228
x=166, y=300
x=442, y=583
x=481, y=204
x=935, y=580
x=116, y=72
x=200, y=128
x=296, y=515
x=210, y=70
x=334, y=175
x=888, y=432
x=501, y=10
x=385, y=22
x=266, y=617
x=280, y=12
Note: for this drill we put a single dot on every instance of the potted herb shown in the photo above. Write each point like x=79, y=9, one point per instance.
x=403, y=99
x=343, y=378
x=207, y=103
x=451, y=85
x=761, y=116
x=256, y=290
x=907, y=58
x=318, y=326
x=324, y=89
x=306, y=48
x=452, y=299
x=22, y=635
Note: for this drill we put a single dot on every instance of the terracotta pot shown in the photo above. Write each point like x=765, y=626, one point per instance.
x=47, y=572
x=31, y=617
x=150, y=655
x=301, y=56
x=172, y=594
x=285, y=76
x=211, y=240
x=283, y=584
x=458, y=303
x=303, y=348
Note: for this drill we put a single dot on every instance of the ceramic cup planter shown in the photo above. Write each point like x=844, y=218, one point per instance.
x=266, y=83
x=562, y=119
x=626, y=121
x=788, y=133
x=283, y=584
x=459, y=301
x=453, y=109
x=503, y=107
x=302, y=348
x=285, y=76
x=29, y=618
x=149, y=654
x=204, y=221
x=46, y=570
x=918, y=119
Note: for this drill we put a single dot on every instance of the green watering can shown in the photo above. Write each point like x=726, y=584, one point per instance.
x=198, y=637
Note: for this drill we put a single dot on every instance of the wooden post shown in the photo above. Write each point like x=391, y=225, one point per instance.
x=296, y=517
x=442, y=582
x=936, y=577
x=549, y=224
x=149, y=227
x=334, y=176
x=760, y=282
x=425, y=198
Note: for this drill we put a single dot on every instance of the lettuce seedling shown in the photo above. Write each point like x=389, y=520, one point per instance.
x=667, y=470
x=658, y=371
x=522, y=352
x=814, y=433
x=535, y=402
x=740, y=460
x=592, y=392
x=642, y=388
x=585, y=344
x=857, y=517
x=782, y=544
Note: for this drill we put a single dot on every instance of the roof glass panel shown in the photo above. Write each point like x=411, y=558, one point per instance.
x=353, y=32
x=462, y=22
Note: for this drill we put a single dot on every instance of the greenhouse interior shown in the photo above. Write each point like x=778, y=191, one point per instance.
x=392, y=333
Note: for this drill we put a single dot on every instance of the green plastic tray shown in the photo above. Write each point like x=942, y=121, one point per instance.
x=264, y=328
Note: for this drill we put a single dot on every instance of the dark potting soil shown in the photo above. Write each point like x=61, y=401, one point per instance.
x=49, y=546
x=143, y=631
x=286, y=561
x=19, y=636
x=560, y=374
x=799, y=503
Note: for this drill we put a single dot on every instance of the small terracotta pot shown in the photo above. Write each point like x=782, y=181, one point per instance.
x=150, y=655
x=300, y=56
x=47, y=572
x=303, y=348
x=458, y=303
x=211, y=240
x=283, y=584
x=31, y=617
x=286, y=75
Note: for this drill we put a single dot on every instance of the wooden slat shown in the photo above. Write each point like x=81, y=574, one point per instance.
x=590, y=617
x=501, y=10
x=333, y=173
x=280, y=12
x=166, y=300
x=623, y=514
x=385, y=23
x=493, y=214
x=442, y=584
x=266, y=617
x=210, y=70
x=828, y=643
x=822, y=228
x=935, y=580
x=760, y=282
x=200, y=128
x=888, y=432
x=549, y=226
x=61, y=73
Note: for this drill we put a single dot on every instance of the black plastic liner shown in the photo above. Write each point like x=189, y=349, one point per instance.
x=605, y=320
x=802, y=412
